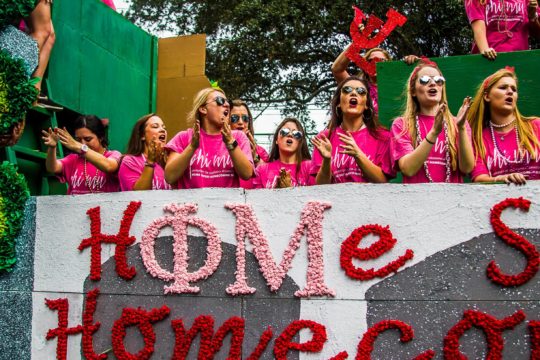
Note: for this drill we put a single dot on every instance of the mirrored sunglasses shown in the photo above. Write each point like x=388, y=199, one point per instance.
x=235, y=118
x=350, y=89
x=220, y=100
x=437, y=79
x=295, y=133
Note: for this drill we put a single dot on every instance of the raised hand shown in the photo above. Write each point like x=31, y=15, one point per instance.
x=349, y=146
x=323, y=145
x=67, y=140
x=462, y=113
x=196, y=134
x=284, y=180
x=152, y=150
x=49, y=138
x=226, y=134
x=439, y=119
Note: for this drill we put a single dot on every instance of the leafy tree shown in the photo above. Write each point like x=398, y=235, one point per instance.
x=279, y=52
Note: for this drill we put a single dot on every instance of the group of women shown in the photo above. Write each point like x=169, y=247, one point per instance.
x=489, y=138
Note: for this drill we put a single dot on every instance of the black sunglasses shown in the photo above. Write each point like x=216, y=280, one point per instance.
x=297, y=134
x=425, y=79
x=220, y=100
x=350, y=89
x=235, y=118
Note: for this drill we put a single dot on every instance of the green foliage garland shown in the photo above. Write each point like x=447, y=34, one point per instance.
x=13, y=195
x=17, y=92
x=12, y=10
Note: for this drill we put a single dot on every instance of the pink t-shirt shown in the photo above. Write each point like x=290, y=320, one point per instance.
x=248, y=184
x=402, y=145
x=211, y=165
x=507, y=28
x=93, y=180
x=267, y=174
x=131, y=169
x=262, y=153
x=344, y=168
x=495, y=163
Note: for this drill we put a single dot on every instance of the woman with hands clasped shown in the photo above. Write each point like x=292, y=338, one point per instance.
x=354, y=148
x=428, y=144
x=290, y=162
x=209, y=154
x=142, y=166
x=506, y=143
x=502, y=25
x=91, y=168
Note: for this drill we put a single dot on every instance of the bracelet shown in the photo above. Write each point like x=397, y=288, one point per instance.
x=153, y=165
x=429, y=141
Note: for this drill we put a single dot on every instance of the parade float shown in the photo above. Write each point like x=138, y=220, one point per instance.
x=393, y=271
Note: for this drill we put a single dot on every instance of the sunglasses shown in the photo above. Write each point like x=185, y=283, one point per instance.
x=295, y=133
x=220, y=100
x=350, y=89
x=437, y=79
x=236, y=118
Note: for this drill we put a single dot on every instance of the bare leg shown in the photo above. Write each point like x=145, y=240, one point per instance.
x=43, y=32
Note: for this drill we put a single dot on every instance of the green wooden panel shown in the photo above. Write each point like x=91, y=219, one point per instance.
x=463, y=76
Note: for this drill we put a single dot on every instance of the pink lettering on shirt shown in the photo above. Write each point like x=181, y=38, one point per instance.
x=436, y=161
x=344, y=168
x=267, y=175
x=131, y=169
x=507, y=23
x=211, y=164
x=510, y=159
x=93, y=180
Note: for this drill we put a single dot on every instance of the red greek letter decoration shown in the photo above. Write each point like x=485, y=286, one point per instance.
x=62, y=331
x=122, y=241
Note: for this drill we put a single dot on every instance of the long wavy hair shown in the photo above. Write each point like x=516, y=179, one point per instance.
x=302, y=152
x=239, y=103
x=369, y=117
x=198, y=101
x=479, y=116
x=136, y=143
x=412, y=109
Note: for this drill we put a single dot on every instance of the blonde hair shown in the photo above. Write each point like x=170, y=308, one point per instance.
x=412, y=108
x=371, y=51
x=479, y=116
x=198, y=101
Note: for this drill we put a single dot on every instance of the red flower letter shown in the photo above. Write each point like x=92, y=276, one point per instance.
x=350, y=250
x=284, y=341
x=491, y=326
x=122, y=241
x=534, y=329
x=142, y=319
x=517, y=242
x=62, y=331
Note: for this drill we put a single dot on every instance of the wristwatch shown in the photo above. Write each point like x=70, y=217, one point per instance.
x=152, y=165
x=84, y=149
x=232, y=145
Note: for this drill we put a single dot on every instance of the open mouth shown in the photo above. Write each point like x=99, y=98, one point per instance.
x=162, y=137
x=509, y=100
x=226, y=113
x=432, y=92
x=353, y=102
x=289, y=141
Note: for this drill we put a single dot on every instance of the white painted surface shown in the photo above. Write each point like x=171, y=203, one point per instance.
x=425, y=218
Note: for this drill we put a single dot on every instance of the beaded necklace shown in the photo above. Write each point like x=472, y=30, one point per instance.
x=93, y=184
x=521, y=156
x=446, y=147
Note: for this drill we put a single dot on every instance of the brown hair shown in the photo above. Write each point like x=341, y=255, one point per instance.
x=136, y=144
x=239, y=103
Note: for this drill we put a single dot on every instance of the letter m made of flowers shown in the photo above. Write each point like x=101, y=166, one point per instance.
x=310, y=224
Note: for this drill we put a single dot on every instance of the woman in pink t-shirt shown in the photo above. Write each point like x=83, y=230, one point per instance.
x=290, y=162
x=354, y=148
x=241, y=119
x=142, y=166
x=506, y=143
x=209, y=154
x=502, y=25
x=428, y=144
x=91, y=168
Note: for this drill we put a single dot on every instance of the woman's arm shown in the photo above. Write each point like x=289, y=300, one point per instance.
x=480, y=38
x=339, y=67
x=51, y=162
x=514, y=178
x=371, y=171
x=177, y=163
x=241, y=163
x=324, y=146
